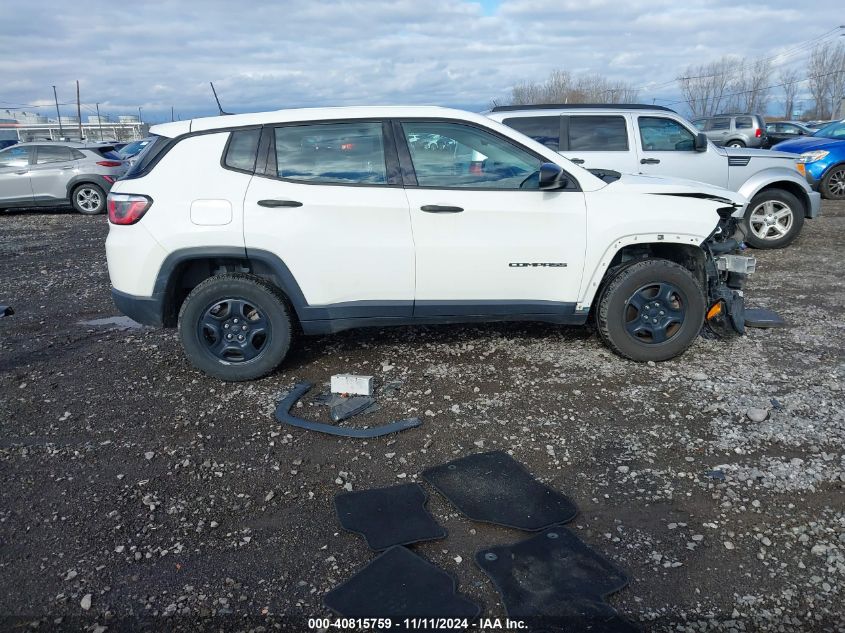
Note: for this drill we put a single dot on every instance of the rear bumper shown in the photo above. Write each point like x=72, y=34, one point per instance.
x=145, y=310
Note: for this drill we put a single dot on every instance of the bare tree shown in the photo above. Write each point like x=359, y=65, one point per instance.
x=562, y=87
x=788, y=77
x=705, y=87
x=827, y=78
x=753, y=86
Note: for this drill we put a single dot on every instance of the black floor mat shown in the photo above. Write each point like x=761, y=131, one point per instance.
x=762, y=318
x=556, y=582
x=495, y=488
x=388, y=516
x=399, y=584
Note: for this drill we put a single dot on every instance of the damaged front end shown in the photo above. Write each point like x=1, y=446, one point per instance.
x=726, y=275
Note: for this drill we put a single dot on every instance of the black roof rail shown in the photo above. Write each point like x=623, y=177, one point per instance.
x=578, y=106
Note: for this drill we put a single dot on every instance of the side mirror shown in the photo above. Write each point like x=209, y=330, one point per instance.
x=552, y=177
x=701, y=142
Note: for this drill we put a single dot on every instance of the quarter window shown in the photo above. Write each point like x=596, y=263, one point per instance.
x=349, y=153
x=744, y=123
x=450, y=155
x=598, y=134
x=660, y=134
x=242, y=150
x=543, y=129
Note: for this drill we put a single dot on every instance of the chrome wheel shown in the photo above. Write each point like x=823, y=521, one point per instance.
x=89, y=200
x=836, y=183
x=771, y=220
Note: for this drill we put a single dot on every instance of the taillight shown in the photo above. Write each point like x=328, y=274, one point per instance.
x=109, y=163
x=759, y=132
x=127, y=208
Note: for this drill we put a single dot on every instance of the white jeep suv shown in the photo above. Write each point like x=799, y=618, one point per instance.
x=242, y=229
x=654, y=140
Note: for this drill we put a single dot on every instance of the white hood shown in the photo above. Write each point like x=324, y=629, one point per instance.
x=639, y=184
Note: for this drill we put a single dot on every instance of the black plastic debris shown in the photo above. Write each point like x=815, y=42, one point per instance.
x=388, y=516
x=554, y=581
x=398, y=584
x=495, y=488
x=346, y=408
x=283, y=415
x=762, y=318
x=6, y=311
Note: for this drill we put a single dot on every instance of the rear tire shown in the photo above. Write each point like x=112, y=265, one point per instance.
x=773, y=219
x=735, y=144
x=833, y=184
x=88, y=199
x=235, y=327
x=652, y=310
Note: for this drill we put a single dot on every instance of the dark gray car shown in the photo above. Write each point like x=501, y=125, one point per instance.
x=55, y=174
x=734, y=129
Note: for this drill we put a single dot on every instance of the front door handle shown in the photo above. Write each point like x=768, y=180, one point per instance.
x=649, y=161
x=577, y=161
x=279, y=203
x=437, y=208
x=22, y=173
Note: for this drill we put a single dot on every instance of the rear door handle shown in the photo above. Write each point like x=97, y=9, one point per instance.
x=649, y=161
x=437, y=208
x=577, y=161
x=279, y=203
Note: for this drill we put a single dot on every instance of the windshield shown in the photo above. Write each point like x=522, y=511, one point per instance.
x=834, y=130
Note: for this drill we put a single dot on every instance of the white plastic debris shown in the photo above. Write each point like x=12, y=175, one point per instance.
x=352, y=384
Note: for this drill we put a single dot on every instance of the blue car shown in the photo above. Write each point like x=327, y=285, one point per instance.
x=822, y=159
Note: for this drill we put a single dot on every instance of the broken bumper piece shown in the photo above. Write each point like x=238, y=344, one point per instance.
x=300, y=389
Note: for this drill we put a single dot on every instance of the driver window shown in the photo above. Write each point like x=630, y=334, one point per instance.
x=659, y=134
x=447, y=155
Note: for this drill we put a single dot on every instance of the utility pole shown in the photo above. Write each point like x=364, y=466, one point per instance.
x=79, y=111
x=99, y=122
x=58, y=114
x=171, y=114
x=140, y=120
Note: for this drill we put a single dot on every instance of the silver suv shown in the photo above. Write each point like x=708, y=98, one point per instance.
x=656, y=141
x=52, y=174
x=734, y=129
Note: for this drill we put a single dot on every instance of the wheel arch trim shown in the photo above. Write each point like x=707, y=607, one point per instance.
x=591, y=286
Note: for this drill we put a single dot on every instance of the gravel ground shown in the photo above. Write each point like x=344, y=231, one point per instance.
x=137, y=492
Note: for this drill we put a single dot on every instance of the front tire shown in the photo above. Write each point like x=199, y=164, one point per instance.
x=735, y=144
x=235, y=327
x=88, y=199
x=833, y=184
x=652, y=310
x=773, y=219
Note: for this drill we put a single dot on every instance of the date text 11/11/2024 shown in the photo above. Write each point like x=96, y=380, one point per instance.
x=385, y=624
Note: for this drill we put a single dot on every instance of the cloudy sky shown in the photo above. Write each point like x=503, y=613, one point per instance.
x=269, y=55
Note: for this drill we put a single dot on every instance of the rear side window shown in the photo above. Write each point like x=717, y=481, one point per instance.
x=350, y=153
x=744, y=122
x=242, y=150
x=719, y=124
x=543, y=129
x=53, y=154
x=598, y=134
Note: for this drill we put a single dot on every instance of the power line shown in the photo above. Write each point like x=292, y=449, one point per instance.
x=745, y=92
x=797, y=48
